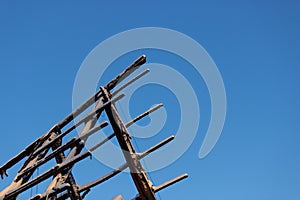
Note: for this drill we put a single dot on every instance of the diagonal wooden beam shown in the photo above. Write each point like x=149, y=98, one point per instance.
x=138, y=174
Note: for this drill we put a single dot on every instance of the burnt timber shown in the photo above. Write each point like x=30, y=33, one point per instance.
x=50, y=146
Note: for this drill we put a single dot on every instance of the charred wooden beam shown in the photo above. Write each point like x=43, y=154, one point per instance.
x=62, y=173
x=91, y=122
x=80, y=109
x=129, y=70
x=130, y=82
x=53, y=192
x=127, y=125
x=46, y=175
x=154, y=108
x=63, y=148
x=70, y=182
x=17, y=182
x=84, y=119
x=124, y=166
x=137, y=171
x=170, y=182
x=95, y=97
x=27, y=151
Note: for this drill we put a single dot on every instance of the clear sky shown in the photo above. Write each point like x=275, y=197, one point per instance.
x=254, y=44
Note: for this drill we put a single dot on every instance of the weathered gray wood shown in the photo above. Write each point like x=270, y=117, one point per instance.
x=28, y=150
x=130, y=82
x=124, y=166
x=170, y=182
x=51, y=192
x=63, y=179
x=18, y=182
x=83, y=120
x=62, y=148
x=129, y=70
x=46, y=175
x=154, y=108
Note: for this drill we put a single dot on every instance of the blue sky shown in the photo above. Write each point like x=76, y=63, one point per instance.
x=254, y=44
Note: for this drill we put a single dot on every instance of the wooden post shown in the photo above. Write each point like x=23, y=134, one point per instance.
x=63, y=181
x=138, y=174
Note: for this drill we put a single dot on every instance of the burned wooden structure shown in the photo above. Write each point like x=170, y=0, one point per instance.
x=51, y=146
